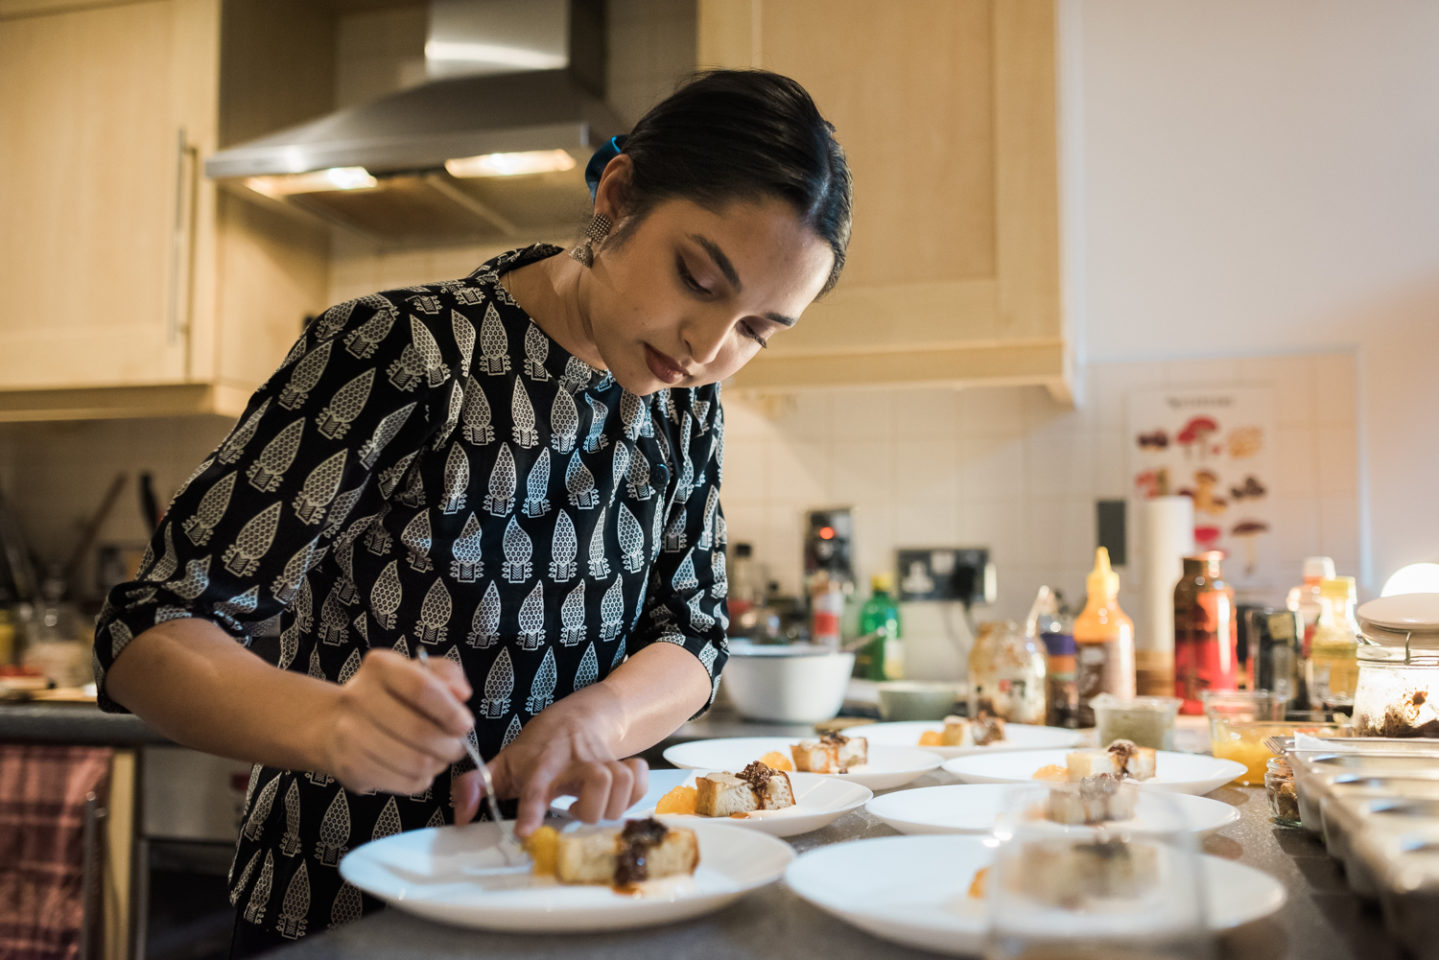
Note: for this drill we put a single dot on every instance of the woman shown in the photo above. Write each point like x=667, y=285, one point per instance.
x=518, y=472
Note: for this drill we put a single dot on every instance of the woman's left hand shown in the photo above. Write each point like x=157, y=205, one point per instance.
x=567, y=748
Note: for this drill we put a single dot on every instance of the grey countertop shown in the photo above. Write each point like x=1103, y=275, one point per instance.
x=1321, y=919
x=73, y=723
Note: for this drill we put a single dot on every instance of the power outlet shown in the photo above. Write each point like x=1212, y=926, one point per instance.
x=962, y=574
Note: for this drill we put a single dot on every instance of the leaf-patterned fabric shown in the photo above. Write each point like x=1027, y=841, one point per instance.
x=429, y=469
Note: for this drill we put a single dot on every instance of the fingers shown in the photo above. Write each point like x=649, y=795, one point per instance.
x=466, y=791
x=427, y=690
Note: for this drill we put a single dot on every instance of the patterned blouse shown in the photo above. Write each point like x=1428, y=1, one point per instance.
x=429, y=470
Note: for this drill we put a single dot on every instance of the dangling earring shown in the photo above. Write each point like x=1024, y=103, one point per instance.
x=598, y=228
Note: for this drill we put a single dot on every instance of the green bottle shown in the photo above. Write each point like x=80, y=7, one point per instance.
x=883, y=657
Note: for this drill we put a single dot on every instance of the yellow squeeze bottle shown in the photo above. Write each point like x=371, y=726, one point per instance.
x=1103, y=640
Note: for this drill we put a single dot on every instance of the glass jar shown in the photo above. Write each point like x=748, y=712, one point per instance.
x=1397, y=694
x=1007, y=674
x=1279, y=790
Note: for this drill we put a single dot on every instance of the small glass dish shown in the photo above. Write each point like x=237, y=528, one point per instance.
x=1243, y=740
x=1147, y=721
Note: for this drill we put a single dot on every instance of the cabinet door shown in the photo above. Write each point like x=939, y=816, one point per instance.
x=96, y=193
x=946, y=110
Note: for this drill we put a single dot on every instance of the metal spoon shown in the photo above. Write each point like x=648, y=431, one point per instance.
x=508, y=844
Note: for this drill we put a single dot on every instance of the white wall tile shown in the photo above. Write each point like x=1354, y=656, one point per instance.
x=797, y=473
x=988, y=411
x=1207, y=372
x=924, y=524
x=925, y=414
x=1060, y=464
x=1295, y=462
x=863, y=470
x=1336, y=394
x=863, y=414
x=925, y=470
x=745, y=469
x=1339, y=531
x=992, y=467
x=1337, y=460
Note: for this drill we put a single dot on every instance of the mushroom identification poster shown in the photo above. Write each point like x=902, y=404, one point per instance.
x=1215, y=446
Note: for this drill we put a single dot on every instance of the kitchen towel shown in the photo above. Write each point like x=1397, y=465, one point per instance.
x=43, y=794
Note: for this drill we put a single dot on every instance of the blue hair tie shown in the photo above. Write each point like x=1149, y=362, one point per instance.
x=601, y=159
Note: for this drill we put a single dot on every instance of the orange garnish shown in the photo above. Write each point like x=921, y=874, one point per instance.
x=931, y=738
x=976, y=886
x=1052, y=771
x=679, y=800
x=543, y=846
x=777, y=761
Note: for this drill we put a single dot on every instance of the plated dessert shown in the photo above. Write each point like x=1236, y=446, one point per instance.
x=622, y=857
x=831, y=753
x=756, y=787
x=1120, y=760
x=983, y=730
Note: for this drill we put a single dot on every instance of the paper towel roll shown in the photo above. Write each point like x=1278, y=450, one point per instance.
x=1166, y=537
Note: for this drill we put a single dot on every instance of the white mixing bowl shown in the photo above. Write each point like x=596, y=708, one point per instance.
x=791, y=683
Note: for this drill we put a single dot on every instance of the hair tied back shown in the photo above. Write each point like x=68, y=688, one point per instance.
x=601, y=159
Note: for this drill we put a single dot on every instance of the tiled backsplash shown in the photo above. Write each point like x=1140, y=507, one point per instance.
x=1009, y=469
x=1004, y=468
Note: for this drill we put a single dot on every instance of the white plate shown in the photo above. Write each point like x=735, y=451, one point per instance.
x=888, y=766
x=1017, y=736
x=1180, y=772
x=973, y=807
x=458, y=875
x=913, y=890
x=818, y=801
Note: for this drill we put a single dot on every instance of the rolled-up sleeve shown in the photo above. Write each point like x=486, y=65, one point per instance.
x=334, y=428
x=686, y=602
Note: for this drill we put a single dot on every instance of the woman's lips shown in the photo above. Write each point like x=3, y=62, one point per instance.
x=663, y=367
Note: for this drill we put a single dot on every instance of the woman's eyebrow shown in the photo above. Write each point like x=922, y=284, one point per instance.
x=727, y=268
x=721, y=261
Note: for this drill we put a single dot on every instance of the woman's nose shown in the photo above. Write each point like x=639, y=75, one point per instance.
x=705, y=337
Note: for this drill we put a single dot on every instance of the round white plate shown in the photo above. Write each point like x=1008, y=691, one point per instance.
x=1017, y=736
x=888, y=766
x=458, y=875
x=973, y=807
x=818, y=801
x=914, y=890
x=1180, y=772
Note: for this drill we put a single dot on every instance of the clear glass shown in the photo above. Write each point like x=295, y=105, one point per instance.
x=1396, y=700
x=1280, y=792
x=1229, y=712
x=1124, y=890
x=1147, y=721
x=1007, y=674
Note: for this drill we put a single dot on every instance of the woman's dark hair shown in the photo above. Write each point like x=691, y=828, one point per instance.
x=742, y=135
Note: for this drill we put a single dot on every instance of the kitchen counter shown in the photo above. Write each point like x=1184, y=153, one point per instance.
x=1321, y=920
x=73, y=723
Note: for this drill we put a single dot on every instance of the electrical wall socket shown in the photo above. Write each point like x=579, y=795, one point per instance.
x=962, y=574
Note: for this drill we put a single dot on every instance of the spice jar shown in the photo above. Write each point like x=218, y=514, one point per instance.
x=1279, y=790
x=1397, y=694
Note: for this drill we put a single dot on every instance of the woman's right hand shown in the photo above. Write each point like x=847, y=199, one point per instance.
x=395, y=724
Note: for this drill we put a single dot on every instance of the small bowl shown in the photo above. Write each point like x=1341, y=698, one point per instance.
x=786, y=683
x=917, y=700
x=1243, y=740
x=1146, y=721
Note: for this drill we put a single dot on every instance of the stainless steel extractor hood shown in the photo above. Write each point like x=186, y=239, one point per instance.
x=510, y=83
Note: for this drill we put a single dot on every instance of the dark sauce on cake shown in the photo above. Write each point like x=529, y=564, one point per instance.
x=636, y=841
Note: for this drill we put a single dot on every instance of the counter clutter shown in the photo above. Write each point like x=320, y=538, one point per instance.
x=1321, y=917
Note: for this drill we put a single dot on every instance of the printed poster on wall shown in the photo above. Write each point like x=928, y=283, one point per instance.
x=1215, y=446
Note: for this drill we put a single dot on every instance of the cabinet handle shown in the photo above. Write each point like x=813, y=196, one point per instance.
x=180, y=239
x=92, y=912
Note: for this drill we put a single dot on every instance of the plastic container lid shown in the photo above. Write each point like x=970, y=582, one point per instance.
x=882, y=581
x=1403, y=627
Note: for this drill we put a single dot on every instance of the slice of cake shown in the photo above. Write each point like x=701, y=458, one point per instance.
x=1090, y=763
x=1097, y=799
x=1137, y=763
x=831, y=753
x=957, y=733
x=756, y=787
x=641, y=850
x=986, y=729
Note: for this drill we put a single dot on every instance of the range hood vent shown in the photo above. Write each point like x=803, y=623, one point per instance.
x=506, y=77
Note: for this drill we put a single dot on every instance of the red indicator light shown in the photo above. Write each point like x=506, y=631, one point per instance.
x=826, y=533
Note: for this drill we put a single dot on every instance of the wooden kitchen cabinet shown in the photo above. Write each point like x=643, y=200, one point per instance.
x=947, y=110
x=132, y=285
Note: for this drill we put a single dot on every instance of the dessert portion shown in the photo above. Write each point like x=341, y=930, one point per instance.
x=1121, y=760
x=1098, y=799
x=756, y=787
x=831, y=753
x=1071, y=875
x=983, y=730
x=640, y=850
